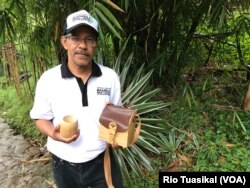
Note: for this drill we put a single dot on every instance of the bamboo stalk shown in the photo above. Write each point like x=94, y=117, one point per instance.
x=11, y=58
x=46, y=159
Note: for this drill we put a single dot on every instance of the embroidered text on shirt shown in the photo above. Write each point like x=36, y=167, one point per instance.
x=103, y=91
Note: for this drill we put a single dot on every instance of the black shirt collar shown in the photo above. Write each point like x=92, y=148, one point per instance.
x=66, y=73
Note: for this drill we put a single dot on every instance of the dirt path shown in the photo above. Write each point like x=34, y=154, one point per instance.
x=20, y=165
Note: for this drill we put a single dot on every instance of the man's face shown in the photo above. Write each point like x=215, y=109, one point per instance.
x=80, y=45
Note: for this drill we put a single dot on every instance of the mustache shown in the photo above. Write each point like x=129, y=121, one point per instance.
x=82, y=52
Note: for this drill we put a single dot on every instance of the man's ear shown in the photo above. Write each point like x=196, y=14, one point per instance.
x=64, y=42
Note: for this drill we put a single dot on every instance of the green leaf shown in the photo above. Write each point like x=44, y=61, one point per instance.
x=109, y=15
x=146, y=96
x=107, y=22
x=137, y=88
x=144, y=108
x=113, y=5
x=147, y=145
x=125, y=70
x=130, y=158
x=118, y=154
x=141, y=156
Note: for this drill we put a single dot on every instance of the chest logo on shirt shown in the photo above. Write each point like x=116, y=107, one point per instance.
x=103, y=91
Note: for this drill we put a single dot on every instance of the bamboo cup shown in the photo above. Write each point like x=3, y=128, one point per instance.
x=68, y=126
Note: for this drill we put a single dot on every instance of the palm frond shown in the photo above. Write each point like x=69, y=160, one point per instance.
x=136, y=94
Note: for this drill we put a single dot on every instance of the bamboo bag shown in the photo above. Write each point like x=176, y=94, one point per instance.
x=117, y=124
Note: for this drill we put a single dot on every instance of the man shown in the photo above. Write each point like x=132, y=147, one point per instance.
x=82, y=88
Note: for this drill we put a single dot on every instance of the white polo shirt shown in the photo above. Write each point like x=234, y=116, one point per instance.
x=59, y=92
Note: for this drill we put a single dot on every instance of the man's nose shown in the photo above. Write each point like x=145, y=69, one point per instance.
x=83, y=43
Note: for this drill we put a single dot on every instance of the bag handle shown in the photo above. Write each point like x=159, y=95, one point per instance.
x=107, y=164
x=137, y=130
x=107, y=167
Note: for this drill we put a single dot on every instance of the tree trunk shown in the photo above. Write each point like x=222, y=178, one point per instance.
x=246, y=103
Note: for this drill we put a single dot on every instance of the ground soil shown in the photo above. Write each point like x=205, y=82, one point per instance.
x=22, y=164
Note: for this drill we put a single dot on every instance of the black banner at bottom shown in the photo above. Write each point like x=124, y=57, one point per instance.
x=213, y=179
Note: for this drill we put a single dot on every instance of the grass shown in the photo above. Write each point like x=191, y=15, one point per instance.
x=206, y=129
